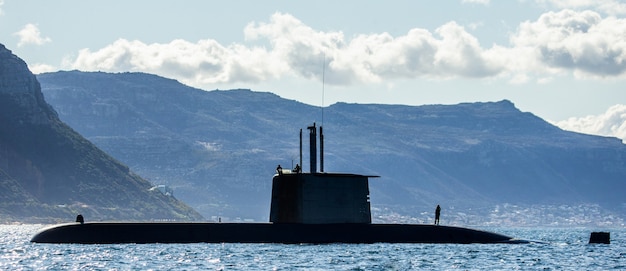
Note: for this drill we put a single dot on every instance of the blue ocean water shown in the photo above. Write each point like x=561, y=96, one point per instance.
x=560, y=249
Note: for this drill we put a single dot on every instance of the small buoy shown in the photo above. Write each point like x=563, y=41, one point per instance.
x=600, y=238
x=80, y=219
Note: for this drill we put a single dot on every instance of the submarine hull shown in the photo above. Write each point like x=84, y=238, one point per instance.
x=315, y=208
x=113, y=233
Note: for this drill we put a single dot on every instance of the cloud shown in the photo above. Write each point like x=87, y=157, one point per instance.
x=581, y=42
x=449, y=52
x=557, y=43
x=611, y=7
x=41, y=68
x=1, y=3
x=611, y=123
x=30, y=34
x=204, y=62
x=295, y=46
x=297, y=49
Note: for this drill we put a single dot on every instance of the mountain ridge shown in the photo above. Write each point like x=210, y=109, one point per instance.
x=218, y=148
x=49, y=172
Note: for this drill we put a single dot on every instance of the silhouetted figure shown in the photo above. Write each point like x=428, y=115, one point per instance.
x=279, y=169
x=80, y=219
x=437, y=214
x=297, y=168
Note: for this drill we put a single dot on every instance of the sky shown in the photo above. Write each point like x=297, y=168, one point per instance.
x=562, y=60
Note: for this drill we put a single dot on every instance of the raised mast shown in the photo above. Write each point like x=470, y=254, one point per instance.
x=300, y=150
x=321, y=150
x=313, y=148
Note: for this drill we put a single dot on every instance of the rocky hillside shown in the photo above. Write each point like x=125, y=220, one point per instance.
x=218, y=149
x=48, y=172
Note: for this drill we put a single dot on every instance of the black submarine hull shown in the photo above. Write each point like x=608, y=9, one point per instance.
x=114, y=233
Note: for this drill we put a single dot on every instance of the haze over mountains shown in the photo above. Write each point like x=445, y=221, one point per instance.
x=48, y=172
x=218, y=149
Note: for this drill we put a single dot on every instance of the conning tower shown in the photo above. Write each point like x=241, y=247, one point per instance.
x=319, y=197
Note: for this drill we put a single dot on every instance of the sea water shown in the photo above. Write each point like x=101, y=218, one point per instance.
x=554, y=249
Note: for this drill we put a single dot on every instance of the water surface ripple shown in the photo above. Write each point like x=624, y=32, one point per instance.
x=561, y=249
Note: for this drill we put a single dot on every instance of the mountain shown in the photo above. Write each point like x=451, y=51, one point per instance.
x=48, y=172
x=218, y=149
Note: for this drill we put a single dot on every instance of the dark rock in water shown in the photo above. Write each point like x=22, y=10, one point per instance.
x=600, y=238
x=50, y=172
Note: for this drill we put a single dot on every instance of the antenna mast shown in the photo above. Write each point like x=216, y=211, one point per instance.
x=323, y=84
x=321, y=133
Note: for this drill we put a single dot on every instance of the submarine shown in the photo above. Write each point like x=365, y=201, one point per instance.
x=314, y=207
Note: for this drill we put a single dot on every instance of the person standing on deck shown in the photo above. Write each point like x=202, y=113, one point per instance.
x=437, y=214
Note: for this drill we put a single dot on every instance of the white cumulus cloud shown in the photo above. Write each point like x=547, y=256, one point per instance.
x=203, y=62
x=30, y=34
x=610, y=123
x=582, y=43
x=298, y=49
x=41, y=68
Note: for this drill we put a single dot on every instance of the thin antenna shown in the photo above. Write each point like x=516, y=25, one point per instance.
x=323, y=83
x=321, y=133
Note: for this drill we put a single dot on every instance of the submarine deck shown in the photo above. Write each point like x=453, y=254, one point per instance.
x=169, y=232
